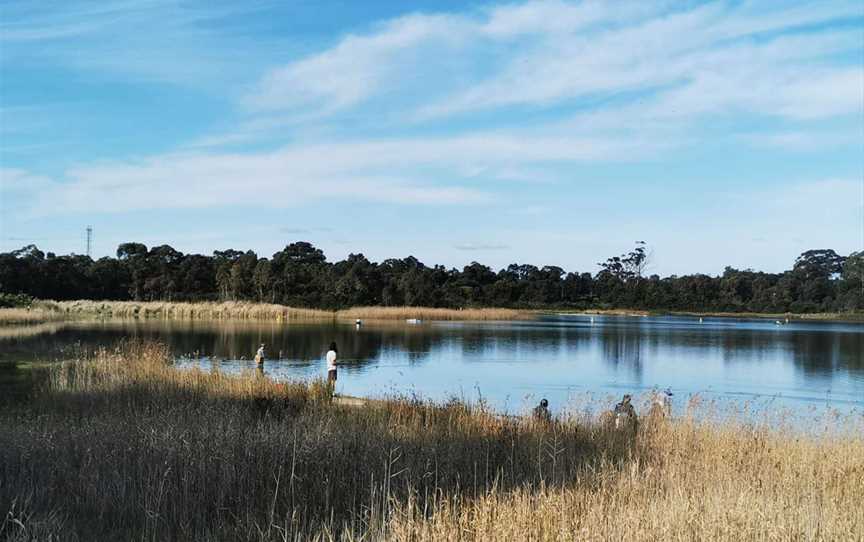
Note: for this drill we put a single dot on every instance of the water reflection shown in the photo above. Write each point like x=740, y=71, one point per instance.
x=507, y=361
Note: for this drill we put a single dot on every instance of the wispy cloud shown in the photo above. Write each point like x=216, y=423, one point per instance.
x=357, y=67
x=713, y=57
x=304, y=231
x=280, y=179
x=814, y=210
x=479, y=247
x=805, y=140
x=397, y=170
x=14, y=180
x=150, y=40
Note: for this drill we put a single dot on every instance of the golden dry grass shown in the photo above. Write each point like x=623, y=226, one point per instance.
x=124, y=446
x=428, y=313
x=29, y=316
x=205, y=310
x=241, y=310
x=696, y=483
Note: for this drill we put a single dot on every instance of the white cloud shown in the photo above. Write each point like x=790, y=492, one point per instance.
x=475, y=247
x=357, y=67
x=201, y=181
x=462, y=169
x=556, y=16
x=147, y=40
x=694, y=72
x=819, y=212
x=15, y=180
x=805, y=140
x=545, y=53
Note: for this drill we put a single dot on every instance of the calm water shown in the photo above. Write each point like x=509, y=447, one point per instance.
x=512, y=364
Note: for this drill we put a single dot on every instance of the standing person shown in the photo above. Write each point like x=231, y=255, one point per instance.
x=331, y=366
x=625, y=415
x=541, y=412
x=259, y=355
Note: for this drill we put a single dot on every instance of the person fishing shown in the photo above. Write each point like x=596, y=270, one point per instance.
x=259, y=355
x=331, y=366
x=625, y=414
x=661, y=404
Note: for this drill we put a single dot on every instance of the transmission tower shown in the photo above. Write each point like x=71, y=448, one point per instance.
x=89, y=239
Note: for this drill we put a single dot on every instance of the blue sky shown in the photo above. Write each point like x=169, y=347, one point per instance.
x=551, y=132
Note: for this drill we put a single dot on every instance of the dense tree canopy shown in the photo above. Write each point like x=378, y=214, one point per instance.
x=300, y=275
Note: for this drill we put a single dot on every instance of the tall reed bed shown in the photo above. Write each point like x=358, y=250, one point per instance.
x=205, y=310
x=34, y=315
x=262, y=311
x=123, y=446
x=428, y=313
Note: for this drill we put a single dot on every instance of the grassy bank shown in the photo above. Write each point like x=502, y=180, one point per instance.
x=125, y=447
x=33, y=315
x=609, y=312
x=45, y=311
x=237, y=310
x=815, y=316
x=429, y=313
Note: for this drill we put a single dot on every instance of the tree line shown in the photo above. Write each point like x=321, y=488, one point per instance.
x=300, y=275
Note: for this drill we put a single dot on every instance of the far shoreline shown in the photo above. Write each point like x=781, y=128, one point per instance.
x=852, y=317
x=42, y=311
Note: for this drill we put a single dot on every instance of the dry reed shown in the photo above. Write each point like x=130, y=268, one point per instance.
x=428, y=313
x=124, y=446
x=241, y=310
x=29, y=316
x=205, y=310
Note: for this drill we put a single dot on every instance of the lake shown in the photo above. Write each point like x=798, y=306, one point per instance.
x=802, y=365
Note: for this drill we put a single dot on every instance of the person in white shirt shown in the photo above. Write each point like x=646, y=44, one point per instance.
x=331, y=365
x=259, y=355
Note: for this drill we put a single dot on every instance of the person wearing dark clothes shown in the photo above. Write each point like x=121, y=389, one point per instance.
x=541, y=412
